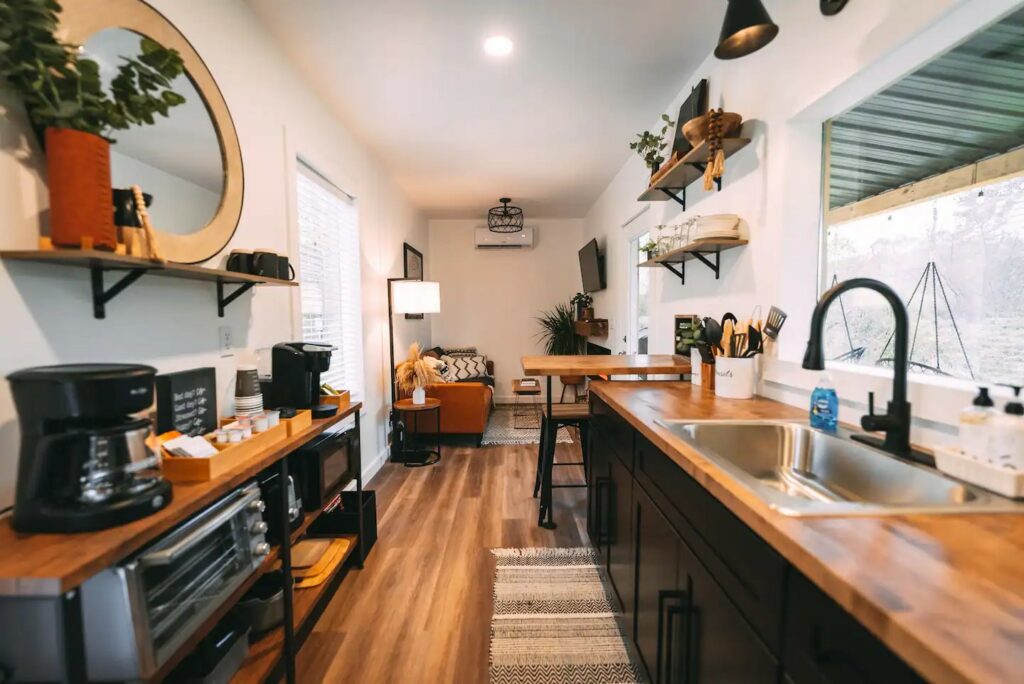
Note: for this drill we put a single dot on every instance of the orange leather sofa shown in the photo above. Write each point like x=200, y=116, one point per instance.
x=465, y=408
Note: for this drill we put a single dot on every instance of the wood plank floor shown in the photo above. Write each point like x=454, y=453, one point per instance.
x=420, y=611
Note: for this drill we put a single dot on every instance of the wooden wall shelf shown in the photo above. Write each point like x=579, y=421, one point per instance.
x=597, y=327
x=708, y=252
x=672, y=184
x=99, y=263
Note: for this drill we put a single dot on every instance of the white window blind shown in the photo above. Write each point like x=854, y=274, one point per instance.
x=329, y=276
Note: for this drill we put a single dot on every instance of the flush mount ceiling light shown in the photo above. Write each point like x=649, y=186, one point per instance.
x=498, y=46
x=747, y=28
x=505, y=219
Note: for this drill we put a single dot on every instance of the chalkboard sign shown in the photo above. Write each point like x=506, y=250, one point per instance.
x=187, y=402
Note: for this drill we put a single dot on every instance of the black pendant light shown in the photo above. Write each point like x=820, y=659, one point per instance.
x=747, y=28
x=505, y=219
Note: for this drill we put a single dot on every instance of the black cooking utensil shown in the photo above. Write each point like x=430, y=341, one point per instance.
x=772, y=326
x=754, y=341
x=729, y=316
x=713, y=333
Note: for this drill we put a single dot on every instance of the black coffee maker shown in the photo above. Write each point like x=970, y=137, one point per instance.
x=84, y=462
x=296, y=368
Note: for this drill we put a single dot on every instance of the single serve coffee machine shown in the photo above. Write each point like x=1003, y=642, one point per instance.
x=296, y=369
x=84, y=462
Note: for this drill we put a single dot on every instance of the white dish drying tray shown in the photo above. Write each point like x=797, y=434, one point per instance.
x=987, y=476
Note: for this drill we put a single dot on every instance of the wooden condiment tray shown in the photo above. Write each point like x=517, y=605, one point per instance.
x=178, y=469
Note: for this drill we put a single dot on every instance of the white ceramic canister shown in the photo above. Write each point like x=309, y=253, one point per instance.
x=735, y=378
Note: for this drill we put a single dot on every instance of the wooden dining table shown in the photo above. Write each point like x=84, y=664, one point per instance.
x=604, y=366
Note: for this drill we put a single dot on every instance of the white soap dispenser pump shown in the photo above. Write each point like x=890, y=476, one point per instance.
x=976, y=426
x=1007, y=449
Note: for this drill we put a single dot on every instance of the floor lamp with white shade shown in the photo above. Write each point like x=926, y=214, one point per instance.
x=407, y=296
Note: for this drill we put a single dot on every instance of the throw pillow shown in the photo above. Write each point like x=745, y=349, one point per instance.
x=464, y=367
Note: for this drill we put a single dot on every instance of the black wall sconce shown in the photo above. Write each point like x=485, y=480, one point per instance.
x=746, y=28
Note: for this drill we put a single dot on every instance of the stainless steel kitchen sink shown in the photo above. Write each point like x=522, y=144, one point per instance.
x=798, y=470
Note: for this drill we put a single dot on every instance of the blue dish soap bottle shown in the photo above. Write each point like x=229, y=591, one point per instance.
x=824, y=405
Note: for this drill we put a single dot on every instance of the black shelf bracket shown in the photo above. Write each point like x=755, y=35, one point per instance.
x=222, y=301
x=680, y=271
x=679, y=267
x=714, y=266
x=101, y=296
x=673, y=193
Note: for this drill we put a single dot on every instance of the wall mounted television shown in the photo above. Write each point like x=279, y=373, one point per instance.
x=592, y=267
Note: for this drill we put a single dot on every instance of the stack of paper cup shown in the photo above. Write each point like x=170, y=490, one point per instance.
x=248, y=398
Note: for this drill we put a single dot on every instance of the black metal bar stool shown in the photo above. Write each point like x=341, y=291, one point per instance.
x=562, y=415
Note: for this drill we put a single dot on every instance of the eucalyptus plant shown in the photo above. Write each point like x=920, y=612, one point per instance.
x=558, y=331
x=62, y=89
x=650, y=146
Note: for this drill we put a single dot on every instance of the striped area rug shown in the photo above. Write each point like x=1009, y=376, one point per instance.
x=554, y=621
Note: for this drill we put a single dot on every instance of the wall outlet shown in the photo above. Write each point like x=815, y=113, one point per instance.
x=227, y=341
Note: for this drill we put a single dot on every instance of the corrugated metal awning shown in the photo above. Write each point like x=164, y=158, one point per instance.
x=962, y=107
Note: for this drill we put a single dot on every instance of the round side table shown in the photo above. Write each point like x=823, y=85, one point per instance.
x=417, y=458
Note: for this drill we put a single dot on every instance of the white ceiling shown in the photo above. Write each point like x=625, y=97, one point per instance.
x=548, y=126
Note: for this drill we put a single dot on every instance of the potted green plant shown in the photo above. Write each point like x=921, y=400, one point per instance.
x=650, y=146
x=73, y=114
x=651, y=248
x=582, y=302
x=558, y=333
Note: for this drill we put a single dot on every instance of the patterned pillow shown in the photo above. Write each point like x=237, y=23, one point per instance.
x=464, y=367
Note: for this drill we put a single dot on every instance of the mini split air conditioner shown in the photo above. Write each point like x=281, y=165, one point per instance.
x=485, y=239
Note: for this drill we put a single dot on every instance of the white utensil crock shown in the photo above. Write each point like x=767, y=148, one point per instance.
x=735, y=378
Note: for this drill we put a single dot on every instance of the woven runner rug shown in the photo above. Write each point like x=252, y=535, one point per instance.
x=554, y=621
x=503, y=428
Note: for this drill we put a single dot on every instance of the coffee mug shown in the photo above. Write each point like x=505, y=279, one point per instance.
x=285, y=270
x=264, y=263
x=125, y=210
x=240, y=261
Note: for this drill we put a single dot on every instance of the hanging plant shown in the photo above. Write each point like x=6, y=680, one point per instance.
x=650, y=146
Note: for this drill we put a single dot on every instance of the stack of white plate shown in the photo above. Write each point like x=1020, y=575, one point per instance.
x=248, y=398
x=716, y=226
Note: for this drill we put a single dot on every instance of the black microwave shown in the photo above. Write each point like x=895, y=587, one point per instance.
x=323, y=465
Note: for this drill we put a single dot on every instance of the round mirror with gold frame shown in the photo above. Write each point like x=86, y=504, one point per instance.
x=189, y=162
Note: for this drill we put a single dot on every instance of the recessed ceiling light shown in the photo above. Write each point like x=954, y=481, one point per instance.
x=498, y=46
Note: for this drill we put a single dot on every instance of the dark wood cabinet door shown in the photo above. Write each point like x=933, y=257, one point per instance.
x=825, y=644
x=722, y=647
x=660, y=599
x=620, y=536
x=598, y=492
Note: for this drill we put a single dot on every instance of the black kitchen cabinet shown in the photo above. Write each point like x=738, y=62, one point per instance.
x=705, y=598
x=722, y=646
x=598, y=491
x=621, y=564
x=824, y=643
x=687, y=629
x=660, y=595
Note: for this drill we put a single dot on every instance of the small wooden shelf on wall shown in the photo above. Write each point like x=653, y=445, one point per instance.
x=597, y=327
x=99, y=263
x=708, y=252
x=672, y=184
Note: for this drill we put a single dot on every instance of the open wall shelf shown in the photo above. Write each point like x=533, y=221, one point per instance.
x=708, y=252
x=672, y=184
x=99, y=263
x=597, y=327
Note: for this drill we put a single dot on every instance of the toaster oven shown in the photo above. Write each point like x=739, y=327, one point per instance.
x=138, y=613
x=323, y=465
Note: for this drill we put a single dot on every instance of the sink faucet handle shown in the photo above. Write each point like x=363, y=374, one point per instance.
x=871, y=403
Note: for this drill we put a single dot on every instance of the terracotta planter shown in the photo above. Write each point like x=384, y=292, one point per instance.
x=81, y=201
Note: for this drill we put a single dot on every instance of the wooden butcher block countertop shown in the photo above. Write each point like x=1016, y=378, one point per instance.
x=944, y=592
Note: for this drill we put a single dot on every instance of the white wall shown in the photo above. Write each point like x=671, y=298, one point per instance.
x=489, y=298
x=172, y=324
x=816, y=68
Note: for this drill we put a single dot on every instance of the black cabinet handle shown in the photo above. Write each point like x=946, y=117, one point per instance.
x=672, y=607
x=693, y=644
x=601, y=485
